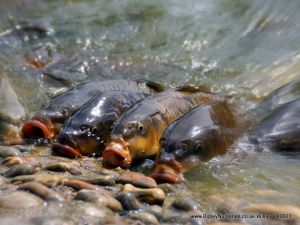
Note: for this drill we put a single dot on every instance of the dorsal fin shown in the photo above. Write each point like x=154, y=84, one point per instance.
x=156, y=87
x=192, y=88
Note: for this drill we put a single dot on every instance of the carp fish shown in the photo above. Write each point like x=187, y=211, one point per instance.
x=137, y=132
x=46, y=123
x=198, y=136
x=280, y=130
x=87, y=131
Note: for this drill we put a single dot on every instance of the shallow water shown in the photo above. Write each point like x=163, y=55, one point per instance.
x=238, y=47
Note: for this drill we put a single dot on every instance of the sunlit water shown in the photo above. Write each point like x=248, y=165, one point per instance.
x=245, y=48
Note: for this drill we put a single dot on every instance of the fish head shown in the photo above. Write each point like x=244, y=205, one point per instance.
x=88, y=135
x=137, y=133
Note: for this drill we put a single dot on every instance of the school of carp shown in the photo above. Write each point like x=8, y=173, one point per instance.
x=124, y=121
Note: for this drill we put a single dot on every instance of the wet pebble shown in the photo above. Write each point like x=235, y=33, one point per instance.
x=73, y=167
x=97, y=179
x=101, y=198
x=129, y=201
x=78, y=185
x=22, y=169
x=52, y=221
x=20, y=199
x=156, y=210
x=150, y=195
x=41, y=191
x=93, y=210
x=16, y=160
x=273, y=209
x=168, y=188
x=144, y=217
x=48, y=180
x=4, y=183
x=8, y=151
x=185, y=204
x=137, y=179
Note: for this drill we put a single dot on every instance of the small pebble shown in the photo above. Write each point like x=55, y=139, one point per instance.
x=41, y=191
x=20, y=199
x=16, y=160
x=185, y=204
x=137, y=179
x=168, y=188
x=145, y=217
x=78, y=185
x=73, y=167
x=22, y=169
x=150, y=195
x=8, y=151
x=48, y=180
x=102, y=198
x=97, y=179
x=156, y=210
x=128, y=201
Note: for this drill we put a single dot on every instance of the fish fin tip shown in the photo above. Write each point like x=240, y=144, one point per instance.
x=192, y=88
x=156, y=87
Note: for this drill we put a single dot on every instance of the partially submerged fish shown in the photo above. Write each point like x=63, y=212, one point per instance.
x=138, y=131
x=280, y=96
x=201, y=134
x=88, y=130
x=47, y=122
x=280, y=130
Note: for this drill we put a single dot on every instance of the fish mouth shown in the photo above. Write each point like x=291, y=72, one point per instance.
x=66, y=150
x=35, y=129
x=117, y=153
x=167, y=173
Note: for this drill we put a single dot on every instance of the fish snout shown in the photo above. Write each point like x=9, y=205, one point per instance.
x=117, y=153
x=167, y=170
x=37, y=128
x=66, y=146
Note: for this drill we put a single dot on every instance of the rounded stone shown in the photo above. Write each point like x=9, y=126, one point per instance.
x=20, y=199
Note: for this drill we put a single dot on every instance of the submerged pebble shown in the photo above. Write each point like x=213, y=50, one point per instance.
x=48, y=180
x=41, y=190
x=8, y=151
x=145, y=217
x=78, y=185
x=137, y=179
x=16, y=160
x=98, y=179
x=99, y=197
x=151, y=195
x=185, y=204
x=73, y=167
x=22, y=169
x=20, y=199
x=129, y=201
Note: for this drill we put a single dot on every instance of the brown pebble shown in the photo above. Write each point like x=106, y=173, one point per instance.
x=137, y=179
x=150, y=195
x=129, y=201
x=48, y=180
x=145, y=217
x=20, y=199
x=8, y=151
x=73, y=167
x=102, y=198
x=22, y=169
x=16, y=160
x=273, y=209
x=185, y=204
x=41, y=191
x=78, y=185
x=97, y=179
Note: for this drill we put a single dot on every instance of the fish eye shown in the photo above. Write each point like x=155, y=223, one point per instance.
x=140, y=128
x=199, y=147
x=83, y=127
x=63, y=111
x=94, y=130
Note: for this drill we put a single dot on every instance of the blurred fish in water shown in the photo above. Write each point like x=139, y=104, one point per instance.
x=201, y=134
x=87, y=131
x=138, y=131
x=11, y=114
x=47, y=122
x=280, y=130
